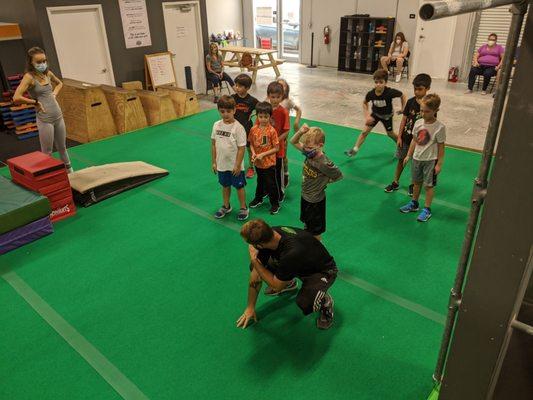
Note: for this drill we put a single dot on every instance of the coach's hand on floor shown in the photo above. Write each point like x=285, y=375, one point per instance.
x=245, y=318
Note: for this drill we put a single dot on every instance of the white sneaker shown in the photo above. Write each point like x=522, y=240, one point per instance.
x=398, y=78
x=483, y=92
x=469, y=91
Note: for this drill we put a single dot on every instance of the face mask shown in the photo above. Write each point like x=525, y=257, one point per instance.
x=492, y=42
x=41, y=67
x=398, y=41
x=310, y=153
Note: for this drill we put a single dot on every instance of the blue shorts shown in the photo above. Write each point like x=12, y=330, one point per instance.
x=227, y=179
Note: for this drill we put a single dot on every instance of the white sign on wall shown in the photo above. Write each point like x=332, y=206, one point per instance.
x=135, y=23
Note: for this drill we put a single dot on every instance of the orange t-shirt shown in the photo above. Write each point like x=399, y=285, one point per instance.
x=262, y=140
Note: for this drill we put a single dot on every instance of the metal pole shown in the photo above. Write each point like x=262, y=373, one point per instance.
x=480, y=184
x=441, y=9
x=311, y=65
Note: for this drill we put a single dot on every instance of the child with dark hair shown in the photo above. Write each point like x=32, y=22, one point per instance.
x=381, y=97
x=244, y=107
x=228, y=143
x=280, y=121
x=411, y=114
x=264, y=145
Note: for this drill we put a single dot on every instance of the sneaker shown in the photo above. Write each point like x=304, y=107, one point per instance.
x=392, y=187
x=469, y=91
x=398, y=78
x=281, y=198
x=410, y=190
x=350, y=153
x=70, y=170
x=274, y=209
x=325, y=318
x=412, y=206
x=483, y=92
x=221, y=213
x=255, y=203
x=243, y=214
x=290, y=287
x=424, y=215
x=286, y=181
x=250, y=173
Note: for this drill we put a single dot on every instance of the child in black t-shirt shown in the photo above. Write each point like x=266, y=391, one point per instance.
x=381, y=97
x=411, y=113
x=244, y=106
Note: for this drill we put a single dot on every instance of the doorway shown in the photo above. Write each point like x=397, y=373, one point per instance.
x=88, y=60
x=278, y=22
x=183, y=28
x=433, y=47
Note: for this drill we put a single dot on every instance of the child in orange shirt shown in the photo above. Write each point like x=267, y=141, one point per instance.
x=264, y=144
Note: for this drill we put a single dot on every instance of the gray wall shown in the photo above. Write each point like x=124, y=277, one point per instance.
x=128, y=64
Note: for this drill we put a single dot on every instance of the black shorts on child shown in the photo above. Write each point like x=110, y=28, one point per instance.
x=387, y=122
x=313, y=215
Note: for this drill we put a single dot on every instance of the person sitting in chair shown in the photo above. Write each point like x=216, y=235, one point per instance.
x=215, y=70
x=487, y=62
x=398, y=52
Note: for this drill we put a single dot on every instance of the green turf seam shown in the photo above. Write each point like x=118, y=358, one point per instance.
x=348, y=278
x=111, y=374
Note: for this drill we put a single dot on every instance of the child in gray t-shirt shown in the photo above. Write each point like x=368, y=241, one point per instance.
x=427, y=151
x=318, y=172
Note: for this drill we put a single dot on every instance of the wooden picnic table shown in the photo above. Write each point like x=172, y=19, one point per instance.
x=262, y=58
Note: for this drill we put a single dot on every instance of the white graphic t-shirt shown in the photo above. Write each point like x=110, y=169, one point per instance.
x=228, y=137
x=426, y=137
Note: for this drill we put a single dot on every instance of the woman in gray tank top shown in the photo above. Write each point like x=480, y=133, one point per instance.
x=38, y=83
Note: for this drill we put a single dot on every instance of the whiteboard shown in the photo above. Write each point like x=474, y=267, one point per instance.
x=161, y=69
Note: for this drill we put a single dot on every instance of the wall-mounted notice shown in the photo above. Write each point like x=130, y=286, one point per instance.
x=135, y=23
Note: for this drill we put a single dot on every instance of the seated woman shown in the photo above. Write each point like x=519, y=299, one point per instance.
x=487, y=62
x=397, y=53
x=215, y=70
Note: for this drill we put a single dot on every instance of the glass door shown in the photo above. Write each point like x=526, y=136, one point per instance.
x=290, y=29
x=266, y=24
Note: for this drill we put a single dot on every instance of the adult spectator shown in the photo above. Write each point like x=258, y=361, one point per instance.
x=215, y=70
x=397, y=53
x=487, y=62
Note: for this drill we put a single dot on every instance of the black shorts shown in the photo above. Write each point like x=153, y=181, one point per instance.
x=313, y=215
x=387, y=123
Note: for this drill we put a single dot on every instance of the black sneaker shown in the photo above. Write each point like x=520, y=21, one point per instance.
x=274, y=209
x=325, y=317
x=410, y=190
x=392, y=187
x=255, y=203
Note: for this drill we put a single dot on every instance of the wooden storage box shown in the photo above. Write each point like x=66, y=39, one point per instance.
x=157, y=106
x=126, y=108
x=184, y=100
x=86, y=111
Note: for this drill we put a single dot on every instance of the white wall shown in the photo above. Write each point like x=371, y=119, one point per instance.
x=223, y=15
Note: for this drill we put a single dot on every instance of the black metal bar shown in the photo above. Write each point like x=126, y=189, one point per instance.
x=442, y=9
x=480, y=184
x=311, y=65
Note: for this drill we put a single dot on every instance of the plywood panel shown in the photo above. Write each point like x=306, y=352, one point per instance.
x=126, y=108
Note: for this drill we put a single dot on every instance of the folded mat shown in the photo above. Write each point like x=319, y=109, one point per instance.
x=19, y=206
x=25, y=234
x=94, y=184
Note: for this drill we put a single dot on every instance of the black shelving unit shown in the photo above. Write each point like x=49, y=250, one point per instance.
x=363, y=41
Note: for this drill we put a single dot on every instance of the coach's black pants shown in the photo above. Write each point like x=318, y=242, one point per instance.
x=313, y=290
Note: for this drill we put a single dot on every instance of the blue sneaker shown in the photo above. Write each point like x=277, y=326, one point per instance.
x=221, y=213
x=412, y=206
x=424, y=215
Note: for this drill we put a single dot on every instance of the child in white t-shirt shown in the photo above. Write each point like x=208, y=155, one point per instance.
x=228, y=145
x=427, y=151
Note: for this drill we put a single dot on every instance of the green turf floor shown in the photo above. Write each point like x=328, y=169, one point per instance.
x=154, y=284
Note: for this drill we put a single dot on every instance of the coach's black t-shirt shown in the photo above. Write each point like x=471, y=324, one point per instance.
x=244, y=106
x=382, y=104
x=298, y=255
x=412, y=114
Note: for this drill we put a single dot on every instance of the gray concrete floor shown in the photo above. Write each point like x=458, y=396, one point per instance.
x=328, y=95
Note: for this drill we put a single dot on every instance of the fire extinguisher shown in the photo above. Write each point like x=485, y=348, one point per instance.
x=453, y=74
x=326, y=34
